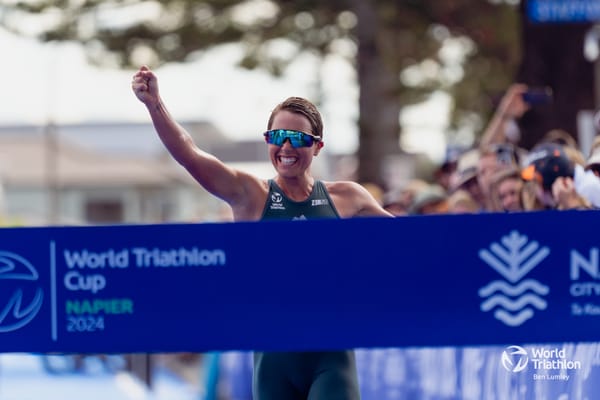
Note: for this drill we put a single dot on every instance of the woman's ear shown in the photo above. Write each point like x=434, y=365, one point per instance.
x=318, y=148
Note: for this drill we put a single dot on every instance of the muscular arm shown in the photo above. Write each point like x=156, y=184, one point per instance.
x=353, y=200
x=238, y=189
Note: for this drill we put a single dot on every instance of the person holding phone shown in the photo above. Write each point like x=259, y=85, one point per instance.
x=502, y=127
x=294, y=136
x=517, y=100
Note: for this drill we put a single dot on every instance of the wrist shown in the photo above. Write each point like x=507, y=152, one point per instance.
x=154, y=106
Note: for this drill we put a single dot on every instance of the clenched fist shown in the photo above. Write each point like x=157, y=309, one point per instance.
x=145, y=86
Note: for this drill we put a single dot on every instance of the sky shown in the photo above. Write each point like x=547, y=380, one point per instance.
x=42, y=82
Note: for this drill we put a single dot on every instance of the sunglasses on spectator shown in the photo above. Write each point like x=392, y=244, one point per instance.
x=296, y=138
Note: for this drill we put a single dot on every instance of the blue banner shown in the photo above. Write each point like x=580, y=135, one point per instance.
x=451, y=373
x=563, y=10
x=412, y=281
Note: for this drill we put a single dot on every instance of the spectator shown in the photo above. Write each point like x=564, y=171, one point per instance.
x=593, y=161
x=493, y=158
x=461, y=202
x=465, y=177
x=552, y=172
x=506, y=190
x=559, y=136
x=503, y=128
x=431, y=200
x=443, y=174
x=587, y=179
x=575, y=155
x=398, y=201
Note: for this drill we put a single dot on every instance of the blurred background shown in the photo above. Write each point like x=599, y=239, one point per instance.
x=401, y=84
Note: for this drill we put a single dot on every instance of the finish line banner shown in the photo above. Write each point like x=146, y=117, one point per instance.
x=302, y=285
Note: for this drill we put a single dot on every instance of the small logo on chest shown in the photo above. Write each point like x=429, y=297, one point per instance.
x=276, y=201
x=319, y=202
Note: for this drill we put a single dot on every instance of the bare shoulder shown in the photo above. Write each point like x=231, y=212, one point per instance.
x=249, y=207
x=343, y=188
x=352, y=200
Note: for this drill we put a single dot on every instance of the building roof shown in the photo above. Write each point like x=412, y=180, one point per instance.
x=35, y=161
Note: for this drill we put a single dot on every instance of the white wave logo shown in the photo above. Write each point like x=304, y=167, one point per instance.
x=514, y=301
x=14, y=270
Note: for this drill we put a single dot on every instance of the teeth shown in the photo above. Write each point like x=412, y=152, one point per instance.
x=287, y=160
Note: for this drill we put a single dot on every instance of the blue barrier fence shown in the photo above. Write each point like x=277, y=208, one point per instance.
x=360, y=283
x=451, y=373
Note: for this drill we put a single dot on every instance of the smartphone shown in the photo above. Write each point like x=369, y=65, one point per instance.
x=538, y=96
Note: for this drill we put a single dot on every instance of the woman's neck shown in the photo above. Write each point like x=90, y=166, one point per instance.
x=297, y=188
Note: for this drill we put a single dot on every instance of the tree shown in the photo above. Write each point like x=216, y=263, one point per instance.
x=553, y=57
x=389, y=37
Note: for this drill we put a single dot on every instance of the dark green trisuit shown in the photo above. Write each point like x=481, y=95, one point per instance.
x=324, y=375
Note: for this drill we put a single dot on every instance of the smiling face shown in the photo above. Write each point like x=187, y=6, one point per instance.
x=288, y=161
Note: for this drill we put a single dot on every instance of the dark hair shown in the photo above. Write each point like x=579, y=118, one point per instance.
x=301, y=106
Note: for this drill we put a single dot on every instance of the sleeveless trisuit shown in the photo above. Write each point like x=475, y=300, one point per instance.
x=326, y=375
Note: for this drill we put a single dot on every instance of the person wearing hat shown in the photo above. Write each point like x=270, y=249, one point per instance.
x=553, y=172
x=431, y=200
x=587, y=179
x=465, y=177
x=593, y=161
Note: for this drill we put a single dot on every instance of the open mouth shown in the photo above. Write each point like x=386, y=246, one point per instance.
x=286, y=160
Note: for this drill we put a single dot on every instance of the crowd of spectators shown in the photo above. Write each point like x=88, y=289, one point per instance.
x=497, y=175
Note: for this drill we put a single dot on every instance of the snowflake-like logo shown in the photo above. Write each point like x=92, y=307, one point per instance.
x=513, y=299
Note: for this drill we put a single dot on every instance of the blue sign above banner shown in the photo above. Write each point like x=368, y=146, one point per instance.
x=300, y=285
x=563, y=10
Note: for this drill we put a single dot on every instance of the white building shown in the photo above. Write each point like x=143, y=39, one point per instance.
x=108, y=173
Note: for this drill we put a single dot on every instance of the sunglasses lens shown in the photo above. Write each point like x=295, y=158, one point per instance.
x=296, y=138
x=273, y=138
x=307, y=140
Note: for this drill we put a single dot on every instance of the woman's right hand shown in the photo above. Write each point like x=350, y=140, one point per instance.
x=145, y=86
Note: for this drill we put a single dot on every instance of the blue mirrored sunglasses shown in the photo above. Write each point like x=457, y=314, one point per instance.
x=297, y=138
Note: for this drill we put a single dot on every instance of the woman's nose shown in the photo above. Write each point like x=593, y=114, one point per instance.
x=287, y=143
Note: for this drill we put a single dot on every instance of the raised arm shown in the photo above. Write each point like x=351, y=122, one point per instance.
x=219, y=179
x=511, y=107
